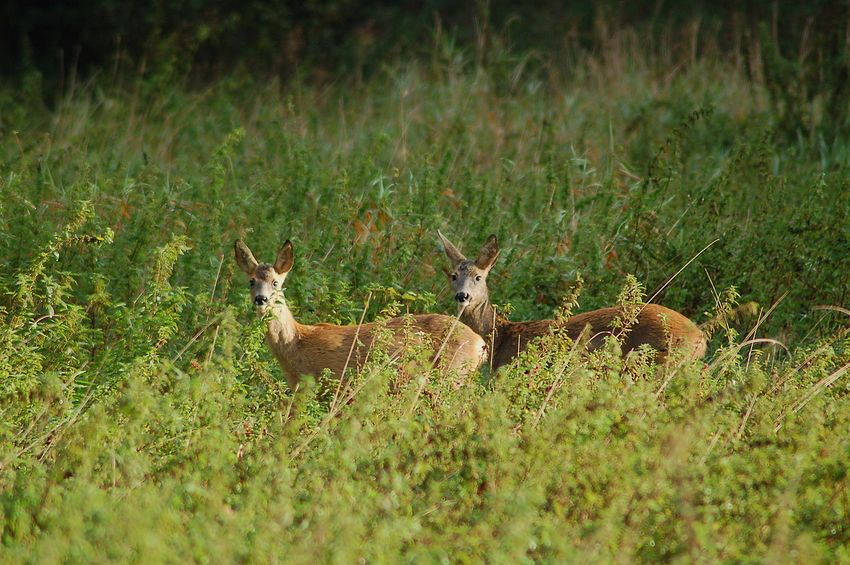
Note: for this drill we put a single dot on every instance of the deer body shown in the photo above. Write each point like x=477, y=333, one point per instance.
x=303, y=349
x=657, y=326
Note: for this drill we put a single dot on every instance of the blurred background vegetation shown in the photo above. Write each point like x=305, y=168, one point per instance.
x=798, y=50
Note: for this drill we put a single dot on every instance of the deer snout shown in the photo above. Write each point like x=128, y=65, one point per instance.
x=261, y=300
x=462, y=297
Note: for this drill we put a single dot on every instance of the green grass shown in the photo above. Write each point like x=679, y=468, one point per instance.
x=144, y=419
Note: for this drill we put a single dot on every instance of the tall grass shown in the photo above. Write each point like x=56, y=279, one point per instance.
x=143, y=418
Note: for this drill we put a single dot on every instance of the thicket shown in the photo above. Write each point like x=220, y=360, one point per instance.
x=144, y=419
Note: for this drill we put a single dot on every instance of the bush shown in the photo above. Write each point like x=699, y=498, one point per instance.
x=144, y=419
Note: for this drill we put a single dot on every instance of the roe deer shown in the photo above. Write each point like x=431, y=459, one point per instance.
x=307, y=350
x=656, y=325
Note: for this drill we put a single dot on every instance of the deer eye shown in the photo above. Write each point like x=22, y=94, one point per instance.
x=454, y=276
x=477, y=278
x=276, y=284
x=252, y=282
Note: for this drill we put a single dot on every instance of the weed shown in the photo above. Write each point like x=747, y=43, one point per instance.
x=144, y=419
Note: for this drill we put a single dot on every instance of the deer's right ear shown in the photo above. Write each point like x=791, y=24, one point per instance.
x=244, y=257
x=285, y=258
x=452, y=252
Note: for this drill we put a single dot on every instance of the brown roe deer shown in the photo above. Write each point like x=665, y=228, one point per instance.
x=657, y=326
x=303, y=349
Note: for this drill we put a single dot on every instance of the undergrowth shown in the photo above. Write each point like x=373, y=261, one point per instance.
x=144, y=419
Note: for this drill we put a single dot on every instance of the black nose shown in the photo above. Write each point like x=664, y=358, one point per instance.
x=462, y=297
x=261, y=300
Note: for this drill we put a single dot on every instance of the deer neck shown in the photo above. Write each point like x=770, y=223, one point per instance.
x=483, y=320
x=283, y=331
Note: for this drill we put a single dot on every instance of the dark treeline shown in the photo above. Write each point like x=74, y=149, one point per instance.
x=214, y=35
x=799, y=50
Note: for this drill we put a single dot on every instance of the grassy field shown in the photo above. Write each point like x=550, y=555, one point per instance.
x=144, y=419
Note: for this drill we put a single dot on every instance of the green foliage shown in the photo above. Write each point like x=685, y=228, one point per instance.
x=797, y=52
x=144, y=419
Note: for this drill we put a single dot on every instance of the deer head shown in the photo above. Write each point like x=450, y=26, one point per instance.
x=266, y=281
x=469, y=278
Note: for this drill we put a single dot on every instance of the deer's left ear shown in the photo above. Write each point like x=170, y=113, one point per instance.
x=488, y=254
x=285, y=258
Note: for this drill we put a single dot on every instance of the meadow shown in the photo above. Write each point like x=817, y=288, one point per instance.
x=144, y=419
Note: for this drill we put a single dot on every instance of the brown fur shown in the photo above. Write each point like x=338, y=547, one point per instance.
x=656, y=325
x=326, y=346
x=310, y=349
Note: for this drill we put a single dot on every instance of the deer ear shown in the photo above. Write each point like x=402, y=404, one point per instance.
x=244, y=257
x=488, y=254
x=285, y=258
x=452, y=252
